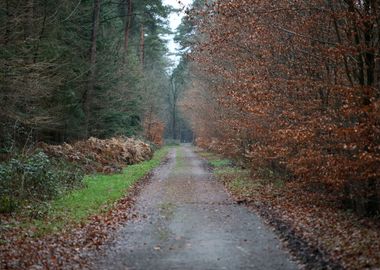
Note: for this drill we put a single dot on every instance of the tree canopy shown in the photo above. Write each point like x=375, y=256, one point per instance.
x=74, y=69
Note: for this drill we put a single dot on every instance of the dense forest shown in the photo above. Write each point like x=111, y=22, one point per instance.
x=74, y=69
x=292, y=86
x=290, y=90
x=280, y=99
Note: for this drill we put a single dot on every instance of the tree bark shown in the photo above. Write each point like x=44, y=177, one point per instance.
x=127, y=26
x=8, y=24
x=91, y=78
x=29, y=19
x=174, y=110
x=142, y=45
x=28, y=30
x=369, y=36
x=41, y=32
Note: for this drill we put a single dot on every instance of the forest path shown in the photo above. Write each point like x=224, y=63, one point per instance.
x=188, y=221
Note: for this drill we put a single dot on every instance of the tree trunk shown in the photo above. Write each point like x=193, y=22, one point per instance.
x=29, y=19
x=339, y=37
x=8, y=24
x=174, y=110
x=377, y=44
x=28, y=30
x=41, y=32
x=91, y=78
x=369, y=39
x=127, y=26
x=142, y=40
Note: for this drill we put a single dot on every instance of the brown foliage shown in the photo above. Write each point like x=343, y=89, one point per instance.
x=301, y=213
x=293, y=86
x=154, y=130
x=105, y=156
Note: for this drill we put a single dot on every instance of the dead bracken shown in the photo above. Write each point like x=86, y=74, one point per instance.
x=106, y=156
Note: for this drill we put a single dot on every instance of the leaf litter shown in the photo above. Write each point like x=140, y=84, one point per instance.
x=74, y=247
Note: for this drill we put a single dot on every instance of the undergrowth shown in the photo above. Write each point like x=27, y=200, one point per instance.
x=98, y=195
x=237, y=180
x=27, y=182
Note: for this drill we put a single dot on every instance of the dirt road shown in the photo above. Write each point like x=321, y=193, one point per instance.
x=189, y=222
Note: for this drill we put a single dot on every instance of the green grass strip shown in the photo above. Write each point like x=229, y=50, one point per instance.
x=216, y=163
x=100, y=193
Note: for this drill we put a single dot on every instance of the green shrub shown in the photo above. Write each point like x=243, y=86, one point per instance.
x=7, y=204
x=35, y=179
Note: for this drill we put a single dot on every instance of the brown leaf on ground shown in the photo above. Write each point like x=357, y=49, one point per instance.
x=73, y=248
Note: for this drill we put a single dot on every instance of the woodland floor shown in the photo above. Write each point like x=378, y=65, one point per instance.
x=179, y=217
x=188, y=221
x=182, y=217
x=310, y=219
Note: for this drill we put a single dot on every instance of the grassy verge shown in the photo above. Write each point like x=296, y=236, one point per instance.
x=179, y=161
x=100, y=193
x=236, y=180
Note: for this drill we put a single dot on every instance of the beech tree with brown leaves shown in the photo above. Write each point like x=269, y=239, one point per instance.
x=295, y=88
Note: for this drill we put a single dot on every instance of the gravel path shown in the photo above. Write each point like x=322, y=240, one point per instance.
x=188, y=221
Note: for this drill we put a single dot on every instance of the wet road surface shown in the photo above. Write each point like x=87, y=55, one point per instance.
x=189, y=222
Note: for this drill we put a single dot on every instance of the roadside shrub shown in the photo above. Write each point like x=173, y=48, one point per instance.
x=96, y=155
x=35, y=179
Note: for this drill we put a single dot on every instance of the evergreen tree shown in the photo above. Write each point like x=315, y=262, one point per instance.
x=70, y=70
